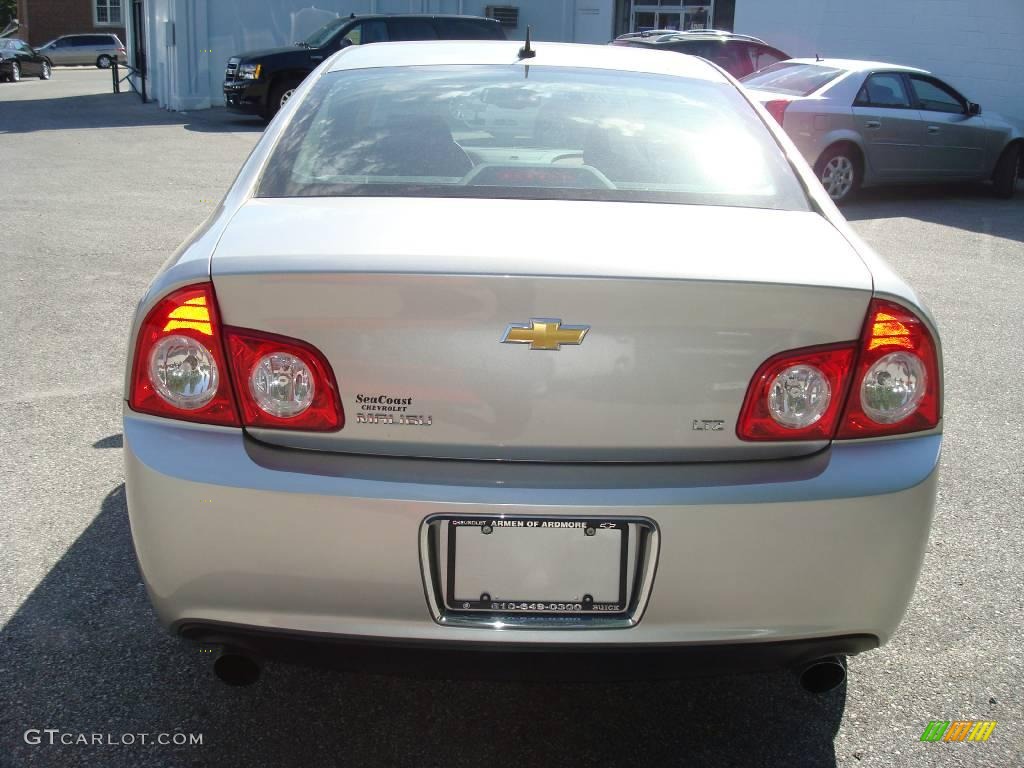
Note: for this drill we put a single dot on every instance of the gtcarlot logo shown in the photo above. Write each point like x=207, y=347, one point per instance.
x=958, y=730
x=55, y=736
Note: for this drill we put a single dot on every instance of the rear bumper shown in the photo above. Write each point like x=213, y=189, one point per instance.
x=245, y=96
x=230, y=532
x=519, y=662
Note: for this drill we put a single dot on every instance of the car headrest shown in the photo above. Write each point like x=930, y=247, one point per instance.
x=403, y=146
x=631, y=153
x=882, y=94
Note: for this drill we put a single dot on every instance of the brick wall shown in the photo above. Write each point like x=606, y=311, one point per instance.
x=977, y=45
x=43, y=20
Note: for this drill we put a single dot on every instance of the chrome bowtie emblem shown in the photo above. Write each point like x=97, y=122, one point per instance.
x=544, y=333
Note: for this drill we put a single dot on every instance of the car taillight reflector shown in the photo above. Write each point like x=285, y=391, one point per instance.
x=777, y=109
x=886, y=383
x=179, y=368
x=896, y=381
x=188, y=366
x=283, y=383
x=797, y=395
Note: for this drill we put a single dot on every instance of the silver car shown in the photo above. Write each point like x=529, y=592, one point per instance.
x=98, y=49
x=418, y=382
x=862, y=123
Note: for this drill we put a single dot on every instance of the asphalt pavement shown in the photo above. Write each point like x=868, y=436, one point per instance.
x=99, y=189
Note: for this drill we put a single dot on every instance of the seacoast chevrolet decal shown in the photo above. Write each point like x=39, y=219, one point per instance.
x=389, y=410
x=383, y=403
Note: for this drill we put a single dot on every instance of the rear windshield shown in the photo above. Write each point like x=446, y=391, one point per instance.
x=792, y=79
x=530, y=132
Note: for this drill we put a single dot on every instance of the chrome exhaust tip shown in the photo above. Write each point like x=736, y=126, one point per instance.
x=823, y=675
x=236, y=667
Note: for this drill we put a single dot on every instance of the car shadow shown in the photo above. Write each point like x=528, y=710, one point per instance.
x=970, y=207
x=112, y=441
x=84, y=654
x=114, y=110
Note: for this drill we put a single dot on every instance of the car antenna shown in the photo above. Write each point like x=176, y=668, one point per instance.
x=526, y=52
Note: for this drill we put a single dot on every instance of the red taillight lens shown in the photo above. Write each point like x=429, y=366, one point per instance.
x=179, y=369
x=885, y=384
x=797, y=395
x=283, y=383
x=896, y=382
x=777, y=109
x=186, y=362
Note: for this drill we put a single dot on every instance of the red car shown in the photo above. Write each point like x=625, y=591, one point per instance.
x=739, y=55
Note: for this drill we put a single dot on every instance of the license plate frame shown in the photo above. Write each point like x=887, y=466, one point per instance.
x=524, y=605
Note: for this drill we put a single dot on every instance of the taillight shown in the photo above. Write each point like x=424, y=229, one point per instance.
x=283, y=383
x=797, y=395
x=886, y=383
x=896, y=382
x=777, y=109
x=181, y=370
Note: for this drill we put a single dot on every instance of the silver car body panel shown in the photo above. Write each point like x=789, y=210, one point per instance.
x=413, y=316
x=232, y=529
x=821, y=546
x=901, y=145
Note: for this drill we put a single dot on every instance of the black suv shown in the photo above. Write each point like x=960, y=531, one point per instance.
x=739, y=55
x=260, y=82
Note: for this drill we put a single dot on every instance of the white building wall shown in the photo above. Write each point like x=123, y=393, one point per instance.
x=976, y=45
x=186, y=68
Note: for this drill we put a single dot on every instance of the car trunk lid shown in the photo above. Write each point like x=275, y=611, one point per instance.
x=410, y=301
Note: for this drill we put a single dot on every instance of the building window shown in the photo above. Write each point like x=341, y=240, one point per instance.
x=508, y=15
x=107, y=12
x=670, y=14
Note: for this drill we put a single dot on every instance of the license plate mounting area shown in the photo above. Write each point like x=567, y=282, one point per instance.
x=546, y=566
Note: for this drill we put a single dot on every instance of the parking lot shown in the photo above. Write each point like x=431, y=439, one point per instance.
x=98, y=192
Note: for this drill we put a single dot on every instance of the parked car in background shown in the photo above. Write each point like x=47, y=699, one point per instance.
x=98, y=49
x=861, y=123
x=352, y=411
x=261, y=82
x=739, y=55
x=646, y=33
x=18, y=59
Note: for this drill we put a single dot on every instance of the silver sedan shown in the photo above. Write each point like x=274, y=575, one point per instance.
x=861, y=123
x=417, y=380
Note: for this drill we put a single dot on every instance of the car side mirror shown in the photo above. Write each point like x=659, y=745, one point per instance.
x=973, y=109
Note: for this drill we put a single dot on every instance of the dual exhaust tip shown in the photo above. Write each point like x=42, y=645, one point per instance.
x=237, y=667
x=822, y=675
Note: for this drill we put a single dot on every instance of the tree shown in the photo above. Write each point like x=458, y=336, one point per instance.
x=8, y=12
